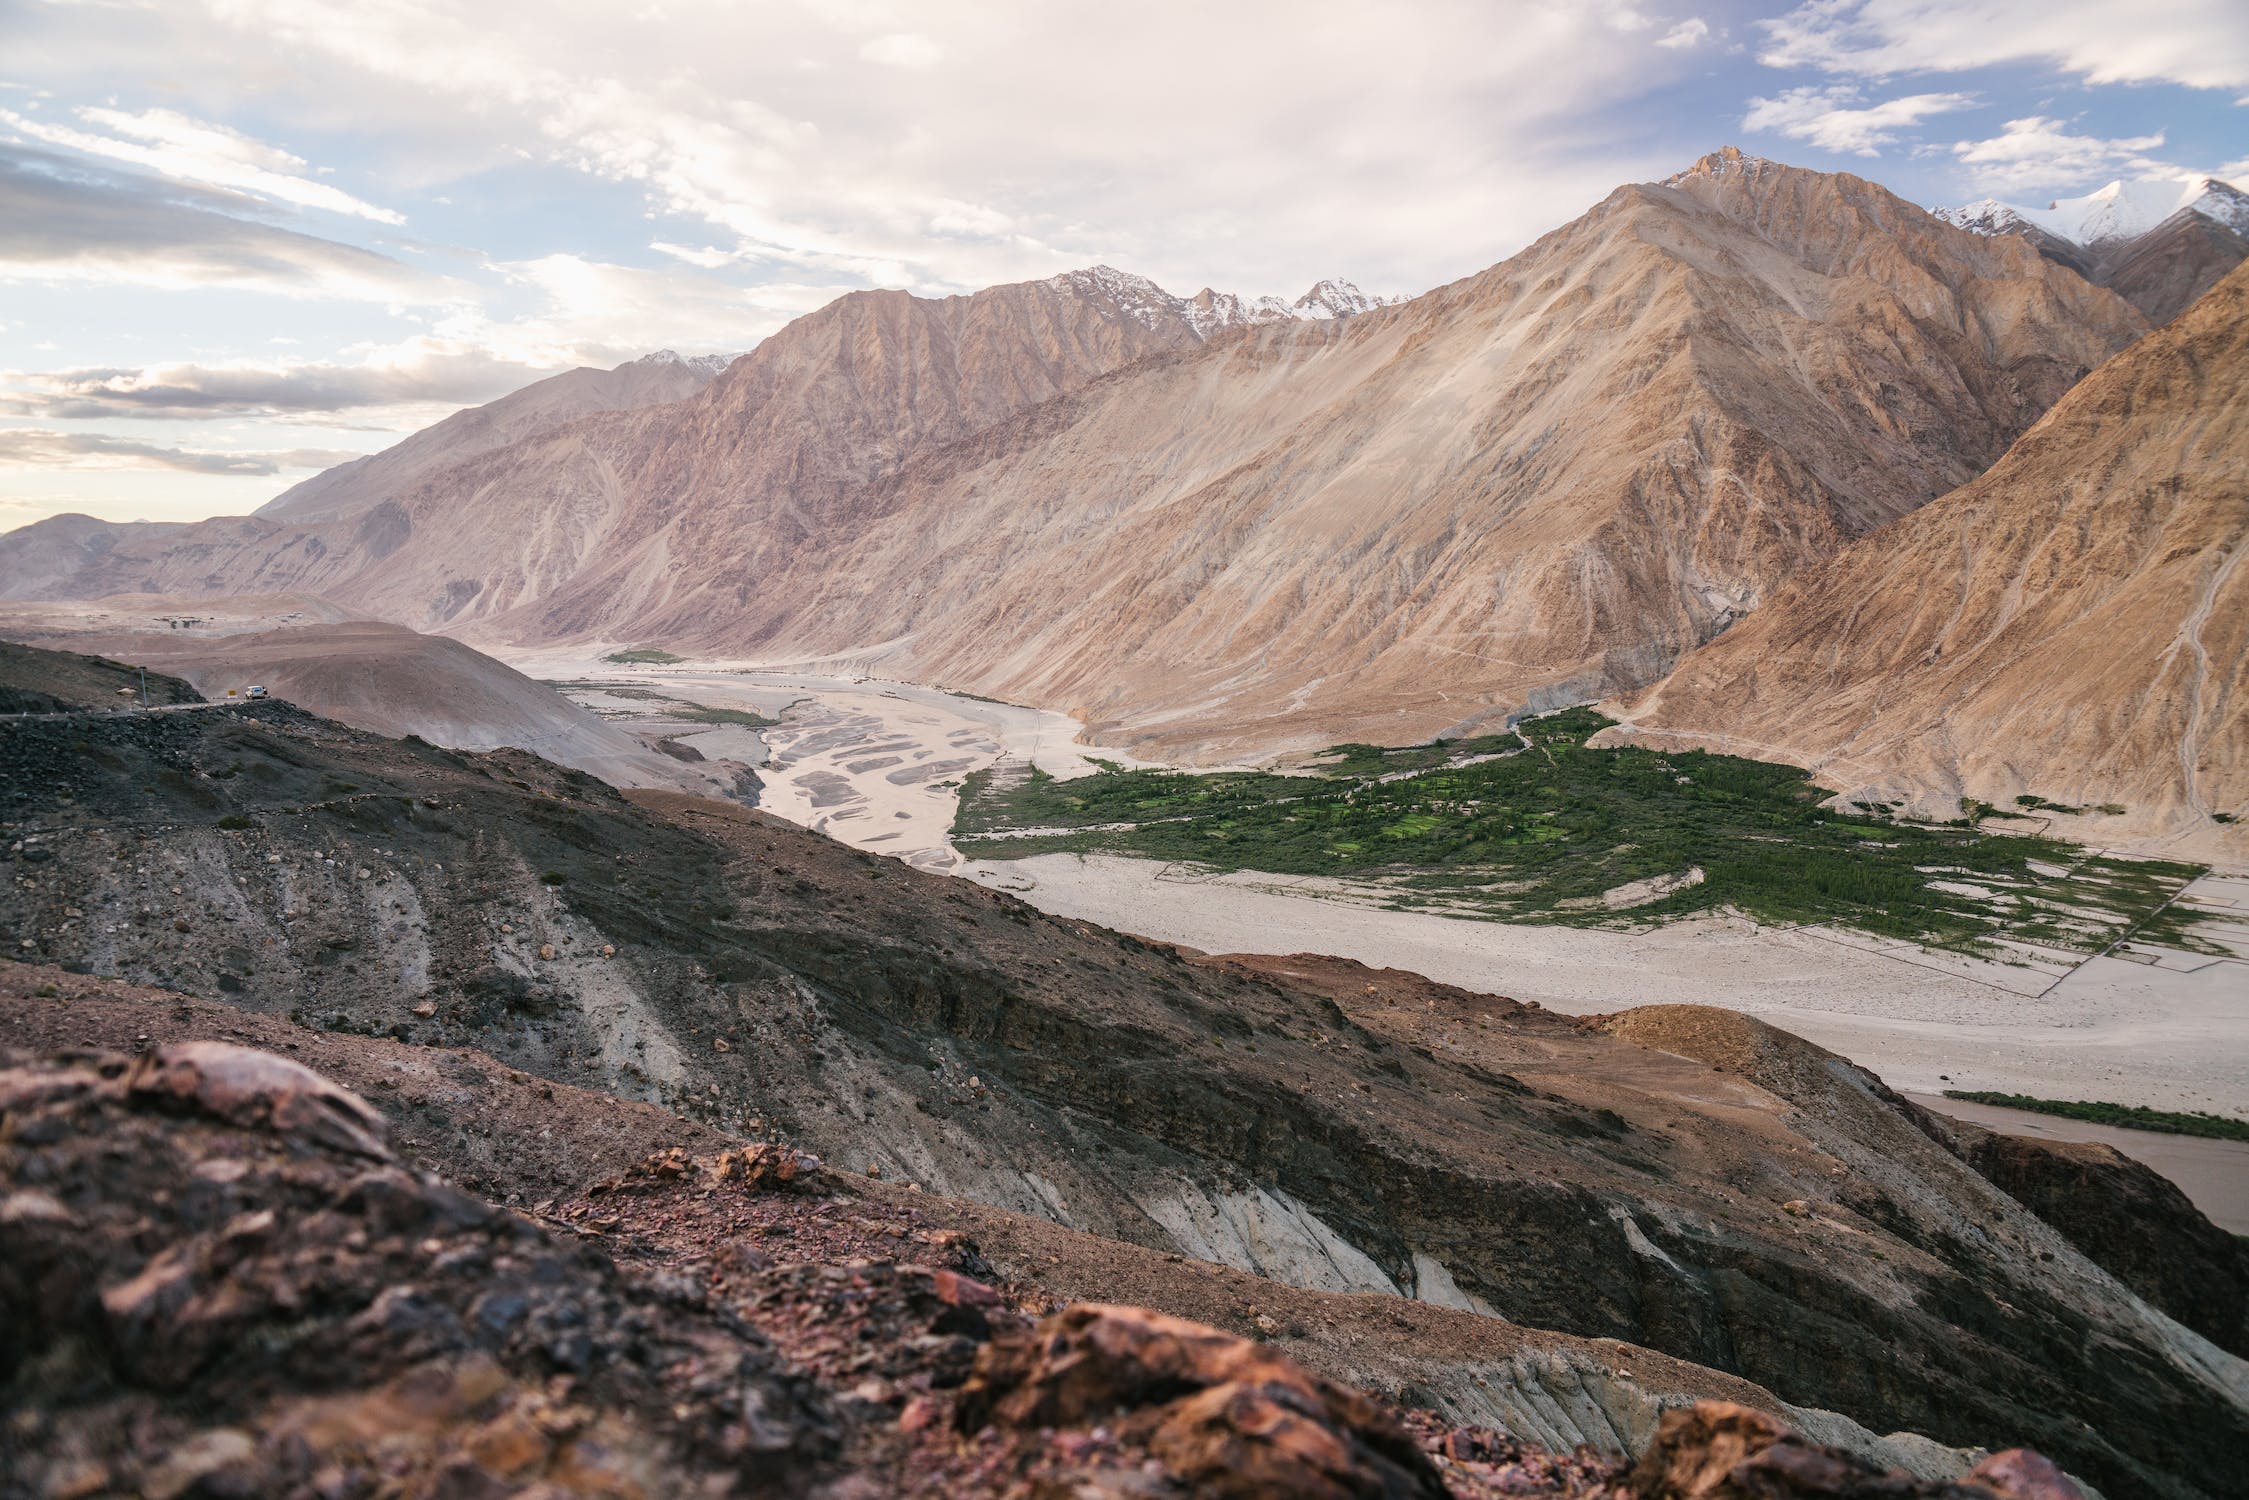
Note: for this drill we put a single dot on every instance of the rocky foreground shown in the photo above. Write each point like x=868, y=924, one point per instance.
x=218, y=1279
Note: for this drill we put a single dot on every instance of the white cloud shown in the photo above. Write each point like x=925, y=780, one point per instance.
x=1833, y=119
x=2039, y=152
x=707, y=257
x=419, y=370
x=587, y=313
x=61, y=224
x=42, y=448
x=1690, y=33
x=186, y=150
x=2200, y=43
x=594, y=312
x=1046, y=138
x=902, y=49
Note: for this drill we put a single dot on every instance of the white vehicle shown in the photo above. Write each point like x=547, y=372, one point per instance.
x=256, y=692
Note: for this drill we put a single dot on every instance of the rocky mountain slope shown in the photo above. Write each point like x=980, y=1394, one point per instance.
x=2159, y=244
x=736, y=1339
x=2074, y=625
x=652, y=380
x=33, y=681
x=365, y=673
x=836, y=398
x=1693, y=1182
x=1540, y=484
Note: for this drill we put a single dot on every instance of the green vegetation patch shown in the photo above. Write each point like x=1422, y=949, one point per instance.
x=1536, y=826
x=696, y=713
x=2128, y=1116
x=650, y=656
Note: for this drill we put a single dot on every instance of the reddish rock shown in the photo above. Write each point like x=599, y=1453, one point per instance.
x=2019, y=1474
x=763, y=1165
x=246, y=1087
x=1224, y=1416
x=1715, y=1450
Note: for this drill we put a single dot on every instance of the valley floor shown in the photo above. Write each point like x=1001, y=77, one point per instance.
x=877, y=765
x=2109, y=1029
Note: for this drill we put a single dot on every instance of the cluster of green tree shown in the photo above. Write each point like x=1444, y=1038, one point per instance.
x=1540, y=826
x=2129, y=1116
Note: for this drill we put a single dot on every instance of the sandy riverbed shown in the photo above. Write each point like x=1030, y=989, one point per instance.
x=2110, y=1029
x=874, y=764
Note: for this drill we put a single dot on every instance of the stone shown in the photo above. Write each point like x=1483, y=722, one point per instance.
x=1716, y=1450
x=244, y=1086
x=197, y=1460
x=1223, y=1416
x=765, y=1166
x=2020, y=1474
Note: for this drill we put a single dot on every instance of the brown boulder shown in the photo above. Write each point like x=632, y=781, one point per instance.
x=1715, y=1450
x=1225, y=1417
x=258, y=1090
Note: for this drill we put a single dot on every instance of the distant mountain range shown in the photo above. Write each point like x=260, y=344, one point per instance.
x=2160, y=243
x=1214, y=526
x=652, y=380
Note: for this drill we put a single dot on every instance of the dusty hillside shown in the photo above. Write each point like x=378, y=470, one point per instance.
x=1796, y=1228
x=743, y=1323
x=33, y=681
x=2165, y=271
x=653, y=380
x=556, y=1150
x=1537, y=485
x=368, y=674
x=2159, y=243
x=2074, y=625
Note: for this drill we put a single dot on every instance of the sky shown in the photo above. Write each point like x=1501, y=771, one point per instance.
x=242, y=240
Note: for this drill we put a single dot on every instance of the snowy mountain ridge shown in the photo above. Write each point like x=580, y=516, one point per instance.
x=1210, y=311
x=702, y=364
x=2120, y=211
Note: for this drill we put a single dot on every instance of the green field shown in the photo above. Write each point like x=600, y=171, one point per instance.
x=2129, y=1116
x=649, y=656
x=1536, y=826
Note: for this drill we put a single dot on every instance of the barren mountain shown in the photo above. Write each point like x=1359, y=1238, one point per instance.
x=652, y=380
x=1538, y=485
x=2073, y=626
x=2164, y=271
x=367, y=673
x=2159, y=244
x=835, y=399
x=1680, y=1177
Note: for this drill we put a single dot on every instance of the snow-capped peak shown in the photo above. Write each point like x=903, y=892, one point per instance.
x=1985, y=216
x=1136, y=297
x=2119, y=211
x=702, y=364
x=1209, y=311
x=1337, y=298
